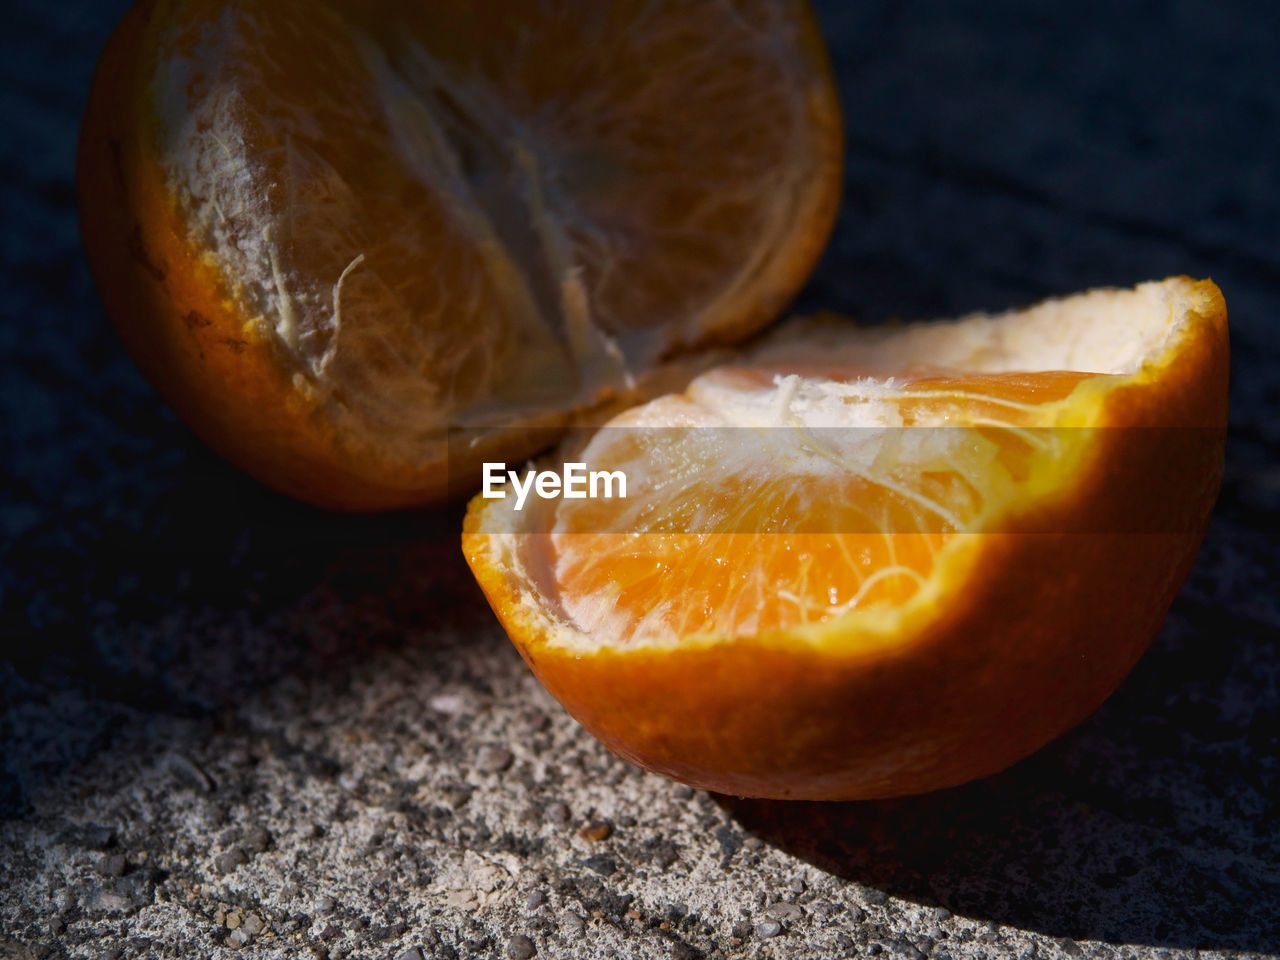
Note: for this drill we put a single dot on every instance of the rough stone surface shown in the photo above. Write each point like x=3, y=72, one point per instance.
x=235, y=725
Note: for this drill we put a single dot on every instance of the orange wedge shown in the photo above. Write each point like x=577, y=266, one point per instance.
x=872, y=563
x=330, y=231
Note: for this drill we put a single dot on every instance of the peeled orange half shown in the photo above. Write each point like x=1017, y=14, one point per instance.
x=870, y=563
x=331, y=231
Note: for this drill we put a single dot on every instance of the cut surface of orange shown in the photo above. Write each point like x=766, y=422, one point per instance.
x=331, y=231
x=863, y=563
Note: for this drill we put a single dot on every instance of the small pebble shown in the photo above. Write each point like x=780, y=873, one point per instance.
x=252, y=923
x=573, y=925
x=256, y=840
x=324, y=905
x=520, y=947
x=741, y=930
x=604, y=866
x=768, y=928
x=111, y=865
x=797, y=886
x=682, y=791
x=449, y=703
x=239, y=937
x=558, y=813
x=413, y=953
x=535, y=899
x=493, y=759
x=184, y=768
x=456, y=795
x=229, y=861
x=729, y=839
x=112, y=902
x=596, y=830
x=784, y=912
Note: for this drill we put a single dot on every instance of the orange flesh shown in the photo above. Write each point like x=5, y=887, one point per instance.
x=675, y=583
x=448, y=180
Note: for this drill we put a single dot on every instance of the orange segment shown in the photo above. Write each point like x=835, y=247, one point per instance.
x=729, y=585
x=330, y=231
x=875, y=525
x=868, y=563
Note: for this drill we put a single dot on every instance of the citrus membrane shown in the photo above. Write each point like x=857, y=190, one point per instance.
x=331, y=231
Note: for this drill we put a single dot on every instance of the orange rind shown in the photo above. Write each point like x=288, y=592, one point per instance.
x=734, y=650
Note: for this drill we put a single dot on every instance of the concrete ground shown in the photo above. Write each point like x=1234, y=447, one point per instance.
x=233, y=725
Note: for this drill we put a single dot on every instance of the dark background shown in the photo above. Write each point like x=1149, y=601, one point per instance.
x=998, y=151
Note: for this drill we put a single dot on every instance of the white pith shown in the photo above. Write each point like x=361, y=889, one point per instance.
x=1102, y=331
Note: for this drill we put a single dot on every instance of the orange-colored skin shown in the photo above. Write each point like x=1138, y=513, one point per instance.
x=233, y=387
x=1029, y=643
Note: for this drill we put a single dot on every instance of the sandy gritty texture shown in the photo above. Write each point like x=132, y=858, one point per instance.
x=232, y=725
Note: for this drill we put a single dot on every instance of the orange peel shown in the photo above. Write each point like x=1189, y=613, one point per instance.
x=1029, y=614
